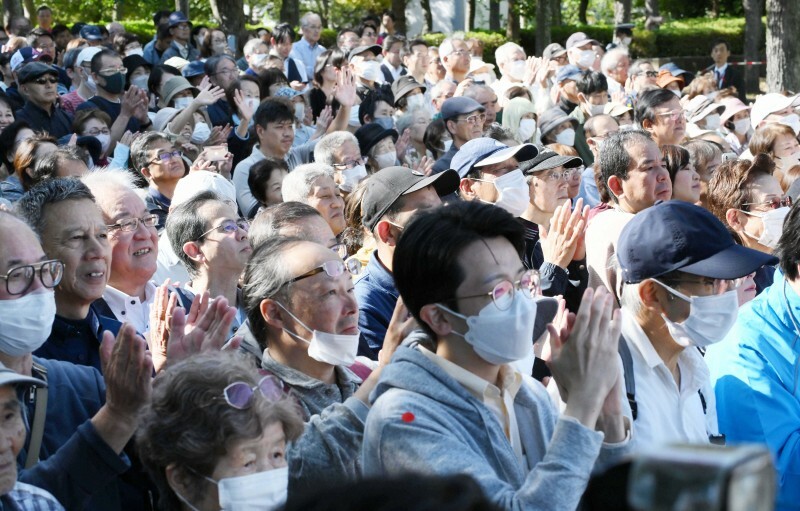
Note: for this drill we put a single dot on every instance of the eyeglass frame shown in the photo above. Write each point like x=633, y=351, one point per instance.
x=548, y=174
x=36, y=268
x=674, y=115
x=730, y=285
x=514, y=287
x=240, y=223
x=277, y=384
x=783, y=202
x=136, y=221
x=349, y=164
x=164, y=157
x=342, y=265
x=481, y=116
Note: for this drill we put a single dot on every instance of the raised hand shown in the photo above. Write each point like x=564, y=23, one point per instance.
x=567, y=228
x=402, y=144
x=345, y=89
x=127, y=371
x=208, y=95
x=219, y=135
x=425, y=165
x=160, y=318
x=205, y=329
x=246, y=111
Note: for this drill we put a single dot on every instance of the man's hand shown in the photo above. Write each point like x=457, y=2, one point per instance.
x=567, y=227
x=205, y=329
x=208, y=95
x=219, y=135
x=401, y=324
x=345, y=89
x=160, y=317
x=127, y=371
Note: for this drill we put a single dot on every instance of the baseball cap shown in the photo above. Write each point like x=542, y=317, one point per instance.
x=23, y=56
x=674, y=69
x=34, y=70
x=769, y=103
x=177, y=18
x=11, y=377
x=579, y=39
x=87, y=54
x=176, y=62
x=358, y=50
x=553, y=50
x=91, y=33
x=404, y=85
x=700, y=106
x=676, y=235
x=370, y=134
x=568, y=72
x=549, y=159
x=484, y=151
x=387, y=185
x=201, y=181
x=616, y=109
x=453, y=107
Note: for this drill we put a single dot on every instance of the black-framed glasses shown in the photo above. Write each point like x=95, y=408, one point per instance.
x=773, y=203
x=239, y=394
x=229, y=227
x=333, y=268
x=131, y=224
x=349, y=164
x=164, y=157
x=650, y=74
x=20, y=278
x=45, y=81
x=502, y=293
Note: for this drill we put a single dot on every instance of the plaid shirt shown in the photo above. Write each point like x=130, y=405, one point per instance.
x=25, y=497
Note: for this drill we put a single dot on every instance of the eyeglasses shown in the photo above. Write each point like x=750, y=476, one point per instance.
x=131, y=224
x=19, y=279
x=239, y=394
x=45, y=81
x=555, y=175
x=672, y=114
x=503, y=293
x=163, y=157
x=349, y=164
x=649, y=74
x=474, y=119
x=718, y=286
x=313, y=27
x=95, y=133
x=340, y=249
x=459, y=52
x=111, y=71
x=229, y=71
x=228, y=227
x=334, y=268
x=773, y=203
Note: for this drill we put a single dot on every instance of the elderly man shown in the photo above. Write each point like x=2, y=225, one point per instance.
x=581, y=51
x=615, y=65
x=463, y=119
x=134, y=248
x=37, y=83
x=161, y=164
x=633, y=173
x=391, y=198
x=255, y=53
x=313, y=184
x=307, y=49
x=679, y=267
x=440, y=93
x=513, y=65
x=64, y=215
x=660, y=113
x=597, y=129
x=455, y=58
x=341, y=151
x=754, y=369
x=643, y=77
x=180, y=28
x=487, y=98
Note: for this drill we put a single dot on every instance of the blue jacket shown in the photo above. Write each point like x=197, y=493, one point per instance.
x=754, y=371
x=377, y=297
x=76, y=342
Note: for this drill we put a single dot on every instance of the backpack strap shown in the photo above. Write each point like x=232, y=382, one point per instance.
x=630, y=381
x=39, y=394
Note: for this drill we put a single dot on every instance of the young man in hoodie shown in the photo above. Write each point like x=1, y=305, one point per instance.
x=460, y=408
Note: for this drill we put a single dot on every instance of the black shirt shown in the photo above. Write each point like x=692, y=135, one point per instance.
x=57, y=122
x=112, y=109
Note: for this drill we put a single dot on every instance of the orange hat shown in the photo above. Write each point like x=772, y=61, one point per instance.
x=665, y=78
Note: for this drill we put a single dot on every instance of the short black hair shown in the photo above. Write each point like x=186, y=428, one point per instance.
x=675, y=158
x=7, y=140
x=591, y=82
x=282, y=31
x=364, y=25
x=370, y=101
x=333, y=57
x=270, y=77
x=614, y=158
x=408, y=48
x=788, y=249
x=438, y=236
x=390, y=13
x=717, y=42
x=273, y=110
x=160, y=17
x=647, y=103
x=57, y=29
x=260, y=173
x=154, y=82
x=97, y=60
x=43, y=8
x=163, y=32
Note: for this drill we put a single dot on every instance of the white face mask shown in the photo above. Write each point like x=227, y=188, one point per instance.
x=447, y=144
x=514, y=194
x=257, y=59
x=140, y=81
x=182, y=103
x=370, y=70
x=299, y=111
x=793, y=121
x=26, y=322
x=262, y=491
x=501, y=337
x=333, y=349
x=90, y=83
x=352, y=177
x=773, y=226
x=385, y=160
x=105, y=141
x=626, y=41
x=596, y=109
x=253, y=103
x=516, y=70
x=415, y=101
x=135, y=51
x=200, y=133
x=712, y=121
x=527, y=127
x=586, y=58
x=741, y=126
x=710, y=318
x=566, y=137
x=677, y=92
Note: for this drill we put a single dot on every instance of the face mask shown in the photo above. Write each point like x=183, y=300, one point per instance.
x=626, y=41
x=26, y=322
x=626, y=127
x=447, y=144
x=517, y=70
x=514, y=195
x=712, y=95
x=333, y=349
x=257, y=59
x=385, y=160
x=527, y=127
x=252, y=103
x=105, y=141
x=712, y=121
x=741, y=126
x=386, y=123
x=415, y=101
x=586, y=58
x=255, y=492
x=370, y=71
x=566, y=137
x=793, y=121
x=710, y=318
x=596, y=109
x=200, y=133
x=135, y=51
x=90, y=83
x=182, y=103
x=299, y=111
x=501, y=337
x=352, y=177
x=773, y=226
x=140, y=81
x=114, y=83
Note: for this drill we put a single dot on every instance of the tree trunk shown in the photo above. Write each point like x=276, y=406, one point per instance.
x=783, y=55
x=230, y=14
x=117, y=13
x=399, y=9
x=12, y=8
x=471, y=7
x=183, y=6
x=622, y=11
x=555, y=12
x=652, y=12
x=290, y=12
x=426, y=9
x=753, y=35
x=494, y=14
x=583, y=6
x=30, y=10
x=512, y=27
x=543, y=19
x=715, y=8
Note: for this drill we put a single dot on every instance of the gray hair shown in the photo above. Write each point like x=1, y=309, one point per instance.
x=330, y=143
x=251, y=45
x=611, y=58
x=630, y=300
x=105, y=183
x=405, y=121
x=297, y=185
x=185, y=223
x=52, y=191
x=446, y=48
x=271, y=221
x=502, y=54
x=306, y=17
x=142, y=145
x=636, y=67
x=266, y=276
x=614, y=158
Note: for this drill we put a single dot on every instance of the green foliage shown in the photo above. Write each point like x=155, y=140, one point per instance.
x=348, y=13
x=491, y=41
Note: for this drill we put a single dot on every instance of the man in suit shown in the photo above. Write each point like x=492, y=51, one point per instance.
x=725, y=74
x=392, y=67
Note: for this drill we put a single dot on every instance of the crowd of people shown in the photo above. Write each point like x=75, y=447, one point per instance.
x=267, y=274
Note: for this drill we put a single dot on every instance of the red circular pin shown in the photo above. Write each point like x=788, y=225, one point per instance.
x=407, y=417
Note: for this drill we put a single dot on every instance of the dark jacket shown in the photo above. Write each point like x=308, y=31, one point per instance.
x=112, y=109
x=57, y=122
x=377, y=296
x=78, y=341
x=733, y=77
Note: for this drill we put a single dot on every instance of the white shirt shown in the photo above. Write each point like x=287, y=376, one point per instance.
x=667, y=414
x=130, y=309
x=395, y=71
x=719, y=72
x=602, y=235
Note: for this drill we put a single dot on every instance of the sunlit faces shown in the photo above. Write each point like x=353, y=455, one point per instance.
x=312, y=28
x=549, y=188
x=220, y=250
x=648, y=179
x=327, y=200
x=160, y=170
x=687, y=185
x=761, y=191
x=785, y=145
x=484, y=188
x=42, y=90
x=274, y=187
x=277, y=138
x=669, y=125
x=417, y=61
x=18, y=246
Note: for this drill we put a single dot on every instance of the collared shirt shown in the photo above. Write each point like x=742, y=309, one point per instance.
x=26, y=497
x=130, y=309
x=56, y=122
x=307, y=54
x=666, y=413
x=719, y=74
x=499, y=400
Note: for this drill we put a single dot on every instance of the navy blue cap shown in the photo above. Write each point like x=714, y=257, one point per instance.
x=484, y=151
x=178, y=17
x=193, y=68
x=676, y=235
x=91, y=33
x=673, y=69
x=453, y=107
x=370, y=134
x=568, y=72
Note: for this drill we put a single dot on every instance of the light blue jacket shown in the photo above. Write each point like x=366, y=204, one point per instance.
x=754, y=371
x=422, y=420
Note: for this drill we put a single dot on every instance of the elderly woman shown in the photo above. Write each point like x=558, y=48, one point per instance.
x=377, y=145
x=519, y=116
x=685, y=180
x=313, y=184
x=214, y=436
x=416, y=121
x=779, y=142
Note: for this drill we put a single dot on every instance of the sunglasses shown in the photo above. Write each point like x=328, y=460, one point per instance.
x=239, y=394
x=44, y=81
